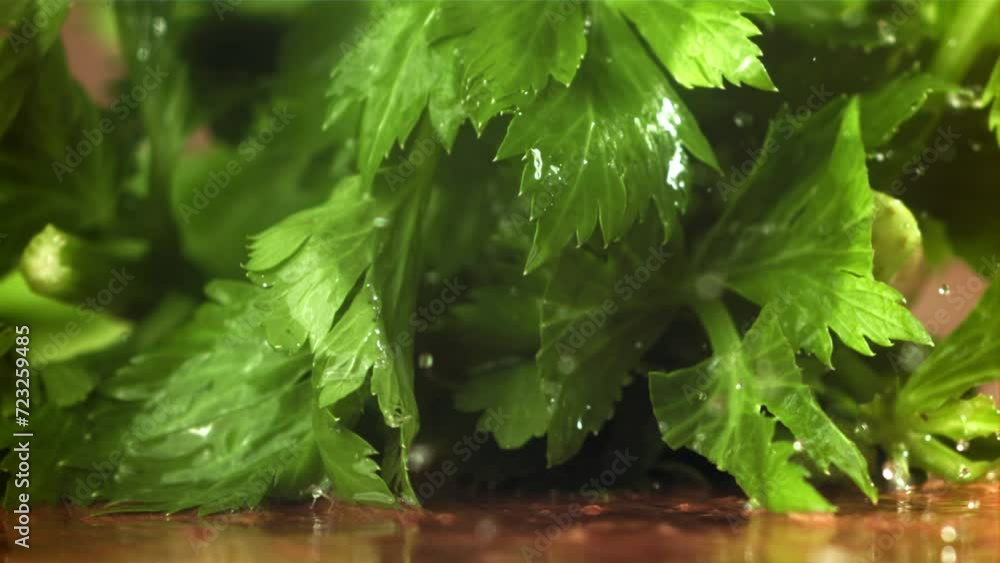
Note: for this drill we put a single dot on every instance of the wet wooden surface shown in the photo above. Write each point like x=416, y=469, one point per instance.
x=935, y=524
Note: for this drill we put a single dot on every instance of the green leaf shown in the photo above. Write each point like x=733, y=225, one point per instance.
x=885, y=109
x=960, y=419
x=831, y=23
x=967, y=358
x=201, y=420
x=6, y=339
x=600, y=315
x=68, y=383
x=702, y=42
x=361, y=251
x=800, y=235
x=783, y=391
x=348, y=462
x=511, y=396
x=44, y=176
x=284, y=160
x=31, y=29
x=393, y=73
x=714, y=408
x=600, y=150
x=992, y=94
x=296, y=257
x=509, y=50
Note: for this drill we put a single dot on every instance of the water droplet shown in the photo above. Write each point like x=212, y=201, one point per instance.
x=886, y=32
x=797, y=446
x=663, y=427
x=159, y=26
x=948, y=534
x=142, y=54
x=739, y=387
x=964, y=472
x=486, y=529
x=638, y=344
x=962, y=445
x=419, y=457
x=567, y=365
x=425, y=361
x=948, y=554
x=889, y=471
x=202, y=431
x=380, y=222
x=973, y=504
x=965, y=98
x=709, y=286
x=742, y=119
x=945, y=289
x=579, y=424
x=536, y=158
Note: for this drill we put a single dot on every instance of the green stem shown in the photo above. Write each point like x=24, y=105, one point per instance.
x=964, y=39
x=855, y=376
x=719, y=325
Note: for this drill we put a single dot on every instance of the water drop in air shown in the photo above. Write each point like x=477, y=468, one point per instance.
x=567, y=365
x=797, y=446
x=742, y=119
x=159, y=26
x=945, y=289
x=962, y=445
x=425, y=361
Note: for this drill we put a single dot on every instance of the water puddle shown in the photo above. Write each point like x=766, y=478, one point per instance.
x=934, y=524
